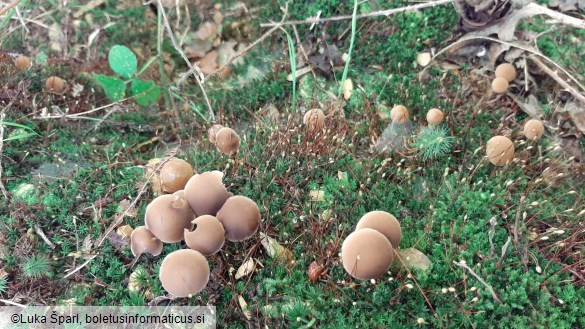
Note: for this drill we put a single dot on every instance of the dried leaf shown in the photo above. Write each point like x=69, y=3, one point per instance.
x=244, y=307
x=423, y=59
x=347, y=89
x=206, y=31
x=317, y=195
x=127, y=209
x=133, y=284
x=56, y=36
x=153, y=177
x=412, y=258
x=125, y=231
x=315, y=271
x=577, y=114
x=275, y=250
x=245, y=269
x=208, y=64
x=530, y=107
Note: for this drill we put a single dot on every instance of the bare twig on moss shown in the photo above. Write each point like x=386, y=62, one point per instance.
x=9, y=6
x=40, y=232
x=2, y=188
x=387, y=12
x=9, y=302
x=490, y=289
x=558, y=79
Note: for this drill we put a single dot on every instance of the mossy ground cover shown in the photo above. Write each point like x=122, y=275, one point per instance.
x=505, y=223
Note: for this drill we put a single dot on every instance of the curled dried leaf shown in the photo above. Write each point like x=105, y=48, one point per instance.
x=244, y=307
x=315, y=271
x=245, y=269
x=275, y=250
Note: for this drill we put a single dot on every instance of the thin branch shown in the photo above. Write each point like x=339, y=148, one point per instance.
x=78, y=268
x=374, y=14
x=40, y=232
x=9, y=6
x=558, y=79
x=491, y=290
x=2, y=188
x=12, y=303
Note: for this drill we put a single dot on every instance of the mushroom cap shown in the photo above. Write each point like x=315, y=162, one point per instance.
x=22, y=63
x=435, y=117
x=208, y=235
x=314, y=120
x=206, y=193
x=184, y=272
x=366, y=254
x=212, y=132
x=240, y=217
x=227, y=141
x=55, y=85
x=143, y=241
x=500, y=85
x=384, y=223
x=500, y=150
x=168, y=215
x=174, y=175
x=399, y=113
x=533, y=129
x=506, y=71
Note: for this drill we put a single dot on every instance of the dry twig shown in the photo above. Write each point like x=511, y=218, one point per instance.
x=40, y=232
x=9, y=6
x=558, y=79
x=491, y=290
x=2, y=188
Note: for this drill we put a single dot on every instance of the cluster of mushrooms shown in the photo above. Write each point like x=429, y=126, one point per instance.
x=505, y=74
x=368, y=252
x=500, y=149
x=200, y=211
x=53, y=84
x=225, y=139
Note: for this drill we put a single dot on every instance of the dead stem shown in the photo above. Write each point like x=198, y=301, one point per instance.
x=491, y=290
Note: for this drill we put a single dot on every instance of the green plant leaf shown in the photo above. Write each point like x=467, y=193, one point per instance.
x=123, y=61
x=114, y=88
x=146, y=91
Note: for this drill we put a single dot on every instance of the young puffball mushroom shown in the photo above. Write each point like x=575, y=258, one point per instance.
x=399, y=113
x=207, y=237
x=22, y=63
x=175, y=174
x=314, y=120
x=366, y=254
x=184, y=272
x=384, y=223
x=55, y=85
x=533, y=129
x=168, y=215
x=143, y=241
x=500, y=150
x=435, y=117
x=499, y=85
x=240, y=217
x=206, y=193
x=227, y=141
x=212, y=132
x=506, y=71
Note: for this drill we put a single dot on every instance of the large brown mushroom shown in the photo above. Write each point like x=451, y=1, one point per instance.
x=168, y=216
x=533, y=129
x=366, y=254
x=500, y=85
x=500, y=150
x=399, y=113
x=206, y=193
x=22, y=63
x=184, y=272
x=143, y=241
x=435, y=117
x=506, y=71
x=212, y=132
x=384, y=223
x=240, y=217
x=227, y=141
x=174, y=175
x=207, y=236
x=314, y=120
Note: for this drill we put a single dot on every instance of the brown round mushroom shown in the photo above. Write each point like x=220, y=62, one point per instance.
x=227, y=141
x=55, y=85
x=212, y=132
x=499, y=85
x=206, y=193
x=500, y=150
x=175, y=174
x=506, y=71
x=366, y=254
x=207, y=236
x=435, y=117
x=240, y=217
x=22, y=63
x=143, y=241
x=168, y=215
x=533, y=129
x=384, y=223
x=184, y=272
x=399, y=113
x=314, y=120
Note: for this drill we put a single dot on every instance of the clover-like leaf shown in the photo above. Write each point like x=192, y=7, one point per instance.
x=146, y=91
x=123, y=61
x=114, y=88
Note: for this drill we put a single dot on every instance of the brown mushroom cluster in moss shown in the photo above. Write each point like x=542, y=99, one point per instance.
x=368, y=252
x=505, y=74
x=225, y=139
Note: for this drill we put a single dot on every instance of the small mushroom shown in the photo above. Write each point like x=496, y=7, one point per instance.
x=499, y=85
x=55, y=85
x=22, y=63
x=399, y=113
x=240, y=217
x=506, y=71
x=207, y=237
x=212, y=132
x=384, y=223
x=227, y=141
x=435, y=117
x=206, y=193
x=366, y=254
x=168, y=215
x=184, y=272
x=533, y=129
x=174, y=175
x=500, y=150
x=314, y=120
x=143, y=241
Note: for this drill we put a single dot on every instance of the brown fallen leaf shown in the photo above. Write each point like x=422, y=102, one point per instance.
x=275, y=250
x=244, y=307
x=315, y=271
x=153, y=177
x=245, y=269
x=208, y=64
